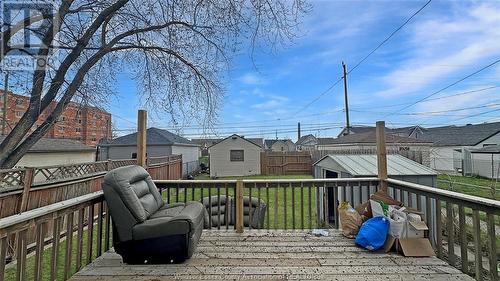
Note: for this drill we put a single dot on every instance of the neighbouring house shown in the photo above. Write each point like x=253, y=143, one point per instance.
x=310, y=142
x=87, y=124
x=366, y=142
x=451, y=145
x=234, y=156
x=277, y=145
x=159, y=142
x=486, y=162
x=205, y=143
x=362, y=166
x=50, y=152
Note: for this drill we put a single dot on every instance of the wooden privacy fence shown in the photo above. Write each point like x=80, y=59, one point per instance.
x=29, y=188
x=285, y=163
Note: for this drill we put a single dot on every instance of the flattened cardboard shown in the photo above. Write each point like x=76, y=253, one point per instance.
x=416, y=247
x=389, y=242
x=419, y=225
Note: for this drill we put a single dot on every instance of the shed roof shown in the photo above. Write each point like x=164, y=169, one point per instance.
x=491, y=149
x=237, y=136
x=370, y=137
x=154, y=136
x=366, y=165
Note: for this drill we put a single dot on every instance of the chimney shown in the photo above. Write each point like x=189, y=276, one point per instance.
x=298, y=130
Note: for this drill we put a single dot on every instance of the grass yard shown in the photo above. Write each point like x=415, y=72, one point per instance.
x=255, y=177
x=10, y=272
x=458, y=181
x=275, y=197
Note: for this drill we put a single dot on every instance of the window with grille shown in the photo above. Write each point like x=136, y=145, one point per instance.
x=236, y=155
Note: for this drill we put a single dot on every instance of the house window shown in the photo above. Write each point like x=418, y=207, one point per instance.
x=19, y=114
x=134, y=155
x=19, y=102
x=236, y=155
x=78, y=130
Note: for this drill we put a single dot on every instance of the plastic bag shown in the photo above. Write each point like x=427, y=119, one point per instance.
x=397, y=224
x=350, y=220
x=373, y=233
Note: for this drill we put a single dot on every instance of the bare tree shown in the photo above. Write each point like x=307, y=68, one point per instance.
x=177, y=51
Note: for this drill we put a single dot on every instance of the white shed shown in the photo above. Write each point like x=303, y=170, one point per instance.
x=234, y=156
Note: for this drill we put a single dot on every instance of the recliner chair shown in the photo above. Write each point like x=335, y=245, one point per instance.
x=226, y=211
x=145, y=229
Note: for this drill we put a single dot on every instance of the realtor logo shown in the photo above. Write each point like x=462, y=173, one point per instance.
x=24, y=25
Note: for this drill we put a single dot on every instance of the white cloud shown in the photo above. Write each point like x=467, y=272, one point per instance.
x=251, y=79
x=274, y=102
x=455, y=45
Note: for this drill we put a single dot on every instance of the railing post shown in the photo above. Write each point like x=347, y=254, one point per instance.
x=381, y=155
x=239, y=206
x=141, y=138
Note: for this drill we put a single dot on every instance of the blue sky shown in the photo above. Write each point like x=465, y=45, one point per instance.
x=445, y=42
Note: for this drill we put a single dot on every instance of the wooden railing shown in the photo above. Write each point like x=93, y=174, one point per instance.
x=464, y=229
x=63, y=239
x=67, y=236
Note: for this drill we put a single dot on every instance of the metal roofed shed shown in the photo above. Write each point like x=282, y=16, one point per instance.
x=362, y=166
x=356, y=166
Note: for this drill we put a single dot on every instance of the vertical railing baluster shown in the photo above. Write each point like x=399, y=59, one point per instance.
x=209, y=206
x=268, y=206
x=40, y=239
x=69, y=246
x=202, y=192
x=239, y=206
x=367, y=193
x=168, y=193
x=429, y=220
x=90, y=233
x=351, y=198
x=229, y=208
x=177, y=193
x=478, y=260
x=276, y=199
x=463, y=239
x=336, y=204
x=419, y=202
x=492, y=246
x=258, y=206
x=318, y=206
x=192, y=192
x=302, y=205
x=249, y=207
x=439, y=232
x=218, y=207
x=107, y=228
x=285, y=202
x=344, y=193
x=310, y=206
x=293, y=205
x=99, y=228
x=79, y=239
x=3, y=254
x=326, y=215
x=185, y=193
x=451, y=233
x=55, y=248
x=21, y=255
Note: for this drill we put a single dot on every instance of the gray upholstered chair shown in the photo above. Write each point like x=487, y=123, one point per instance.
x=227, y=212
x=145, y=229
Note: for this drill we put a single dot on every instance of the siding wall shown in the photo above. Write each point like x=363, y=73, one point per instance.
x=221, y=166
x=55, y=158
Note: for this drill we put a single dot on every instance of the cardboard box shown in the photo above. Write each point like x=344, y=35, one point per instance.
x=409, y=247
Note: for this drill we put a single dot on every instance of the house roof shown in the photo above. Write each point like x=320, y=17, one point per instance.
x=58, y=145
x=271, y=142
x=154, y=136
x=491, y=149
x=238, y=136
x=467, y=135
x=325, y=140
x=366, y=165
x=302, y=139
x=370, y=137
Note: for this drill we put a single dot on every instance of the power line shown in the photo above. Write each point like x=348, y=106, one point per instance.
x=445, y=88
x=366, y=57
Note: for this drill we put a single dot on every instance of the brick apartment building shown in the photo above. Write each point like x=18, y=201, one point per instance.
x=83, y=123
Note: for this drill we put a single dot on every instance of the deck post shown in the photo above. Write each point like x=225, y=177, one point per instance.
x=381, y=155
x=239, y=206
x=141, y=138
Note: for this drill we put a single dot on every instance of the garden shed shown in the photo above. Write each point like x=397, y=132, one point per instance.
x=362, y=166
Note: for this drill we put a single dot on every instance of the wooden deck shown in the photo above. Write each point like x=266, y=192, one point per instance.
x=276, y=255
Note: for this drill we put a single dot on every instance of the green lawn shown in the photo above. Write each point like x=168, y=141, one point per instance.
x=274, y=197
x=10, y=272
x=471, y=190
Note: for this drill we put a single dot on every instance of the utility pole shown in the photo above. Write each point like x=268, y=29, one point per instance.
x=298, y=131
x=347, y=126
x=4, y=111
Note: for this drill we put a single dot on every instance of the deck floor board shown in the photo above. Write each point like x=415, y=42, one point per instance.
x=275, y=255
